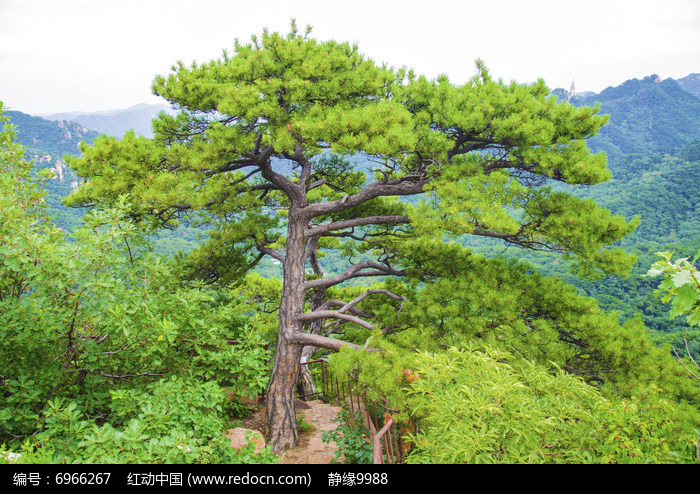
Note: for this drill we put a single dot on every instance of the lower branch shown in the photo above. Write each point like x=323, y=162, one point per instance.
x=326, y=314
x=355, y=271
x=374, y=291
x=271, y=252
x=324, y=342
x=352, y=310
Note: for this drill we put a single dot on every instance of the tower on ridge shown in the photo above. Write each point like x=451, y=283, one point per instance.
x=572, y=92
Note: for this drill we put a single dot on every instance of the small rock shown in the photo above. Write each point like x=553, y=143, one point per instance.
x=239, y=438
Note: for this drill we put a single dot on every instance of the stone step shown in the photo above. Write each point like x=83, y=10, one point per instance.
x=311, y=449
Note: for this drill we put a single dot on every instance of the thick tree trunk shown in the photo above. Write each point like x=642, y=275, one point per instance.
x=280, y=413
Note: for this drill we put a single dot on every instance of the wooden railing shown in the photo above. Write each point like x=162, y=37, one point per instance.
x=386, y=434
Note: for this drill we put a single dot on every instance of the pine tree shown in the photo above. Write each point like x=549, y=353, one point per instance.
x=265, y=141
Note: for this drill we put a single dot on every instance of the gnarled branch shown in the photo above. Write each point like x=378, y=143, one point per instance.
x=271, y=252
x=355, y=271
x=325, y=342
x=341, y=225
x=399, y=187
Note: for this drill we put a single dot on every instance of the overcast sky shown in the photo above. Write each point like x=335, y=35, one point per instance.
x=87, y=55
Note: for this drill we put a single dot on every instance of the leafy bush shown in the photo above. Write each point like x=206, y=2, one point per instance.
x=681, y=285
x=170, y=421
x=90, y=319
x=351, y=437
x=473, y=407
x=479, y=404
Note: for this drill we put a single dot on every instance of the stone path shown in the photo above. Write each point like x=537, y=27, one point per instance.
x=310, y=448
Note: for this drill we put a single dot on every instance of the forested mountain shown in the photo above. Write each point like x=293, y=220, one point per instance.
x=664, y=191
x=652, y=143
x=46, y=144
x=646, y=116
x=675, y=228
x=48, y=141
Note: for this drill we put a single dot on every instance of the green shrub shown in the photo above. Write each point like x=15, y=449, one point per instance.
x=106, y=353
x=352, y=438
x=474, y=407
x=170, y=421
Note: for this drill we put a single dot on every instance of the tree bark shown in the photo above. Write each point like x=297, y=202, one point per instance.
x=280, y=412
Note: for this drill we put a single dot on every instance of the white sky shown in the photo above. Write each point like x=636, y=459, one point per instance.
x=87, y=55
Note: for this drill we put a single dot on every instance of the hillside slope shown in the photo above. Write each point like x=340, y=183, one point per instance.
x=47, y=142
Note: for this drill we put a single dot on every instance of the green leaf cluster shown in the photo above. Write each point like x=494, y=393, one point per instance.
x=351, y=438
x=175, y=420
x=680, y=286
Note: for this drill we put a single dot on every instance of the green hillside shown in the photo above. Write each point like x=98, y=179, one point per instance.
x=46, y=143
x=654, y=155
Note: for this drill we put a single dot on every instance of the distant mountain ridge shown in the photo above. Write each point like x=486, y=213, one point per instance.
x=647, y=116
x=116, y=122
x=636, y=105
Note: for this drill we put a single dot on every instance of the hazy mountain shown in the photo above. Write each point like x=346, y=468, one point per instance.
x=116, y=122
x=691, y=83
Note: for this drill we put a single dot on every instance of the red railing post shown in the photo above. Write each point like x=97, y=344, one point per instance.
x=377, y=440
